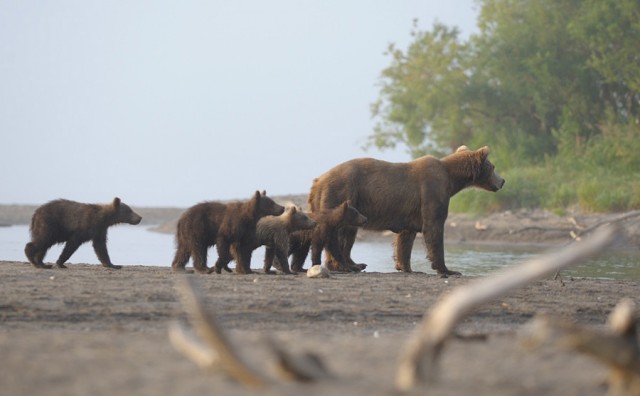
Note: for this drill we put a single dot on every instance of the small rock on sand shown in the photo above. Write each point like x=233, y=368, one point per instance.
x=317, y=271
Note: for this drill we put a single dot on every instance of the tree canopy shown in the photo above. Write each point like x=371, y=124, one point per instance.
x=544, y=83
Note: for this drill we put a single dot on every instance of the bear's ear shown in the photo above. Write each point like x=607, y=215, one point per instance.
x=116, y=202
x=483, y=153
x=264, y=193
x=292, y=210
x=462, y=148
x=345, y=205
x=257, y=196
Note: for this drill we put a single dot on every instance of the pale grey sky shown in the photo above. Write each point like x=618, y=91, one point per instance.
x=169, y=103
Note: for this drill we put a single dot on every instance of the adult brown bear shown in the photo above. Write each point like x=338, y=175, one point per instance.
x=405, y=198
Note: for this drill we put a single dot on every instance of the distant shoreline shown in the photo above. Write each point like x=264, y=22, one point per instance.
x=523, y=227
x=20, y=214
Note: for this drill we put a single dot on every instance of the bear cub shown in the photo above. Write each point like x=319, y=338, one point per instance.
x=226, y=225
x=325, y=234
x=75, y=223
x=273, y=232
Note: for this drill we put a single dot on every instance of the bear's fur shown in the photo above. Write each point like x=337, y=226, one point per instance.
x=325, y=234
x=273, y=232
x=75, y=223
x=405, y=198
x=213, y=223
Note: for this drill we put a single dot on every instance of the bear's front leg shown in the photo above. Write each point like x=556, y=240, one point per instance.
x=434, y=241
x=224, y=257
x=269, y=255
x=100, y=247
x=346, y=239
x=243, y=259
x=281, y=258
x=69, y=248
x=299, y=253
x=334, y=260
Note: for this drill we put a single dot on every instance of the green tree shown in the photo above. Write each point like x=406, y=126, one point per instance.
x=610, y=31
x=421, y=104
x=529, y=59
x=553, y=86
x=540, y=74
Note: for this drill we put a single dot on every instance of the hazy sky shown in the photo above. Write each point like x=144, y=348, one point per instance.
x=169, y=103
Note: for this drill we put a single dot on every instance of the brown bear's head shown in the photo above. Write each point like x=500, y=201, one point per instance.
x=476, y=165
x=265, y=206
x=486, y=177
x=299, y=220
x=124, y=214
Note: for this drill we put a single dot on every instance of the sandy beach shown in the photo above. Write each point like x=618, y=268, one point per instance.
x=90, y=330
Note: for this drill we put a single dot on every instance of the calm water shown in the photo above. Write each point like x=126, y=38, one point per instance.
x=129, y=245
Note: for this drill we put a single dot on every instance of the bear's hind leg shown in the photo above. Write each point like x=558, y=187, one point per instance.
x=402, y=250
x=199, y=257
x=35, y=254
x=180, y=259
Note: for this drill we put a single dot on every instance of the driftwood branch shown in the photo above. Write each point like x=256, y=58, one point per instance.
x=187, y=343
x=215, y=351
x=575, y=230
x=617, y=346
x=419, y=358
x=618, y=219
x=210, y=348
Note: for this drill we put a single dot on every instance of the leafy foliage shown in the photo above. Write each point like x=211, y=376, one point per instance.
x=553, y=86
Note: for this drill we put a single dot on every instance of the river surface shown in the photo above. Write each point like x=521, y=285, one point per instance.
x=130, y=245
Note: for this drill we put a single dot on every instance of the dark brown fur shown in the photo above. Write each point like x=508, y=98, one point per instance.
x=224, y=225
x=405, y=198
x=75, y=223
x=273, y=232
x=325, y=234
